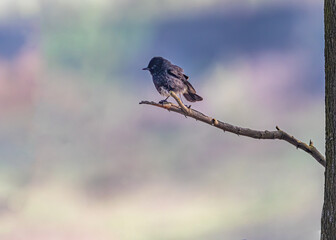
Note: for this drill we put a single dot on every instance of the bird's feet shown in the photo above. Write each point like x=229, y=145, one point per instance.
x=164, y=101
x=188, y=106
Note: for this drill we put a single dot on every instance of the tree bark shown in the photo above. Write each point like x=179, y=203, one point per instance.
x=226, y=127
x=328, y=223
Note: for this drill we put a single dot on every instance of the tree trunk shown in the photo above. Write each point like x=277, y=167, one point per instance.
x=328, y=228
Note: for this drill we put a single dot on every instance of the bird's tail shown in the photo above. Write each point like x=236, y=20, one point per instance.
x=192, y=97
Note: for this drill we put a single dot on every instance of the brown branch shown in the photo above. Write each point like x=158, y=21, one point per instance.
x=278, y=134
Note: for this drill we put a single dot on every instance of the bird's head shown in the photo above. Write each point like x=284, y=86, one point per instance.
x=156, y=64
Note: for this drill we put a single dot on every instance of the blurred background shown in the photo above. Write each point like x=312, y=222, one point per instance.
x=81, y=159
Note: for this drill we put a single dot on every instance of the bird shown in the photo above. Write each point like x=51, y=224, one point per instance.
x=169, y=77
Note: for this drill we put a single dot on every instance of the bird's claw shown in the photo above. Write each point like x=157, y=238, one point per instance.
x=164, y=101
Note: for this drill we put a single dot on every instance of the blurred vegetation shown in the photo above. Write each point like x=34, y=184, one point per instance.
x=80, y=159
x=90, y=41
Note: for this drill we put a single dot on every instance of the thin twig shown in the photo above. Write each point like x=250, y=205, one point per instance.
x=278, y=134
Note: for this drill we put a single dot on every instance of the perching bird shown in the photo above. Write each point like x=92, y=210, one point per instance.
x=168, y=77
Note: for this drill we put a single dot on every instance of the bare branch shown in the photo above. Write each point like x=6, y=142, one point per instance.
x=278, y=134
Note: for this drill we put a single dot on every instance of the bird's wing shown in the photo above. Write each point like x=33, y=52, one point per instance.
x=179, y=74
x=175, y=73
x=180, y=70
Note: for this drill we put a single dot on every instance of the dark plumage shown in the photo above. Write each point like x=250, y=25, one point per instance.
x=168, y=77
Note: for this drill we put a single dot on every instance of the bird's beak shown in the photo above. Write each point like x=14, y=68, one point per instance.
x=145, y=68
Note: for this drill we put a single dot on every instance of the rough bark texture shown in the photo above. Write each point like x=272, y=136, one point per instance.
x=278, y=134
x=328, y=228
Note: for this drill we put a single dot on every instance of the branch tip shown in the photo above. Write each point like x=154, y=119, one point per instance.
x=279, y=134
